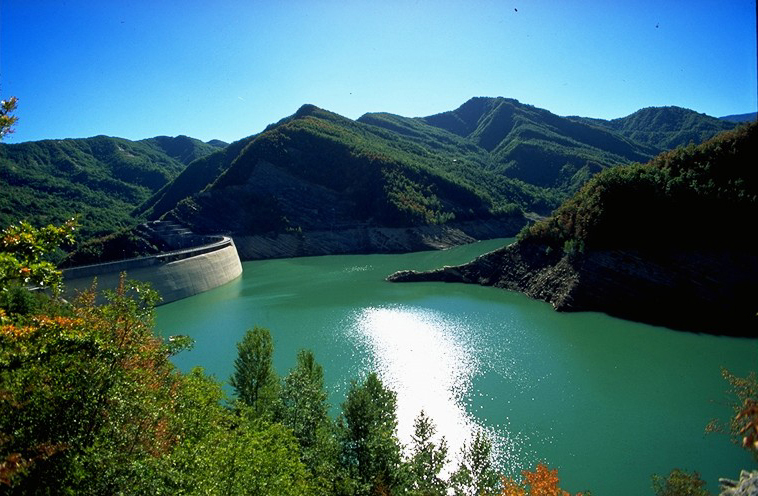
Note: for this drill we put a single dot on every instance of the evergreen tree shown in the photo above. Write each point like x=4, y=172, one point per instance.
x=254, y=380
x=304, y=406
x=370, y=448
x=304, y=409
x=7, y=120
x=427, y=458
x=476, y=475
x=679, y=483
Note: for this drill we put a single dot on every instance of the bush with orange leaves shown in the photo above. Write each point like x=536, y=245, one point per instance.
x=541, y=482
x=743, y=425
x=88, y=393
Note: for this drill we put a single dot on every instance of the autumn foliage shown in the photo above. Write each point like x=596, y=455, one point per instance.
x=542, y=482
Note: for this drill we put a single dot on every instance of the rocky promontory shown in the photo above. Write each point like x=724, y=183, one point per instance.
x=699, y=290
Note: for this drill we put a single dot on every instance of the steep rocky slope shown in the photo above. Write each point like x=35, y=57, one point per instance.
x=321, y=180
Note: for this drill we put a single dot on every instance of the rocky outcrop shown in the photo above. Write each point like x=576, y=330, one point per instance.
x=747, y=485
x=700, y=290
x=373, y=239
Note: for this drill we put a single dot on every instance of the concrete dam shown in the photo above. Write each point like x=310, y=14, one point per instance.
x=199, y=263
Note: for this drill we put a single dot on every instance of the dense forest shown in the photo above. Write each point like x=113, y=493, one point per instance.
x=690, y=196
x=100, y=179
x=318, y=170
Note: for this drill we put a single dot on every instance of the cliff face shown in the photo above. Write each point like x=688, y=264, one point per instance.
x=698, y=290
x=372, y=239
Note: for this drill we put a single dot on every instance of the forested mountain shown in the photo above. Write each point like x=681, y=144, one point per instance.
x=492, y=158
x=318, y=170
x=100, y=179
x=749, y=117
x=193, y=179
x=183, y=148
x=663, y=128
x=663, y=242
x=537, y=146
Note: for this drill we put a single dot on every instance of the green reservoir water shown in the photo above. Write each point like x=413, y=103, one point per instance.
x=606, y=401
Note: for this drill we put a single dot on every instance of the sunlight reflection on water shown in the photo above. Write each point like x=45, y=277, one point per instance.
x=430, y=359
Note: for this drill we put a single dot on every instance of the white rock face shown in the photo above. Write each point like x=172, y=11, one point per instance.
x=746, y=486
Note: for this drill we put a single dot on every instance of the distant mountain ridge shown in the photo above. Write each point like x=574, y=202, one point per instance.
x=492, y=158
x=739, y=118
x=537, y=146
x=663, y=128
x=183, y=148
x=102, y=179
x=503, y=154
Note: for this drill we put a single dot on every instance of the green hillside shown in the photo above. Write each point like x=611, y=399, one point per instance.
x=663, y=128
x=192, y=179
x=318, y=170
x=696, y=196
x=183, y=148
x=537, y=146
x=101, y=179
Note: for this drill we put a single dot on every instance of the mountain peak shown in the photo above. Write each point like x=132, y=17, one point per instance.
x=306, y=110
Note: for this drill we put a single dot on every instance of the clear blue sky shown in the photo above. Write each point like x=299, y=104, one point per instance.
x=226, y=69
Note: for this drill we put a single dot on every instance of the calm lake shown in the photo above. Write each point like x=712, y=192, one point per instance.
x=606, y=401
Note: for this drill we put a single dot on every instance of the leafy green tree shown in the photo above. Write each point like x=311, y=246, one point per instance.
x=238, y=458
x=304, y=406
x=223, y=451
x=427, y=458
x=371, y=451
x=255, y=381
x=24, y=250
x=84, y=397
x=679, y=483
x=476, y=475
x=304, y=409
x=7, y=120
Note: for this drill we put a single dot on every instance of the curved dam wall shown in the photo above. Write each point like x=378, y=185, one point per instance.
x=175, y=275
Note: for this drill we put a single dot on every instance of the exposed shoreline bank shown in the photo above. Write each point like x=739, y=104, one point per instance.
x=693, y=290
x=368, y=239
